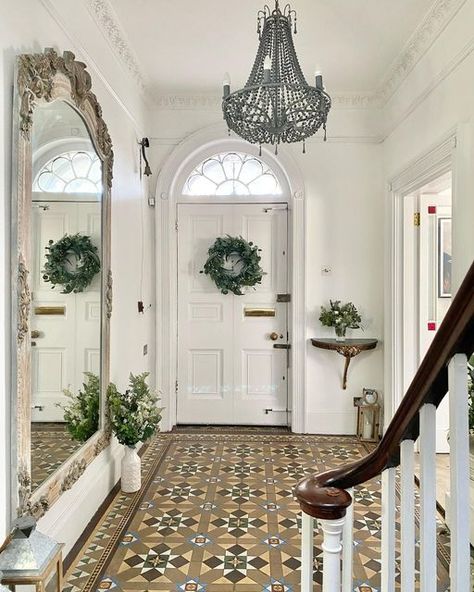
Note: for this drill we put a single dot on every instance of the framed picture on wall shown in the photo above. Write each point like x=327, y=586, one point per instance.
x=445, y=256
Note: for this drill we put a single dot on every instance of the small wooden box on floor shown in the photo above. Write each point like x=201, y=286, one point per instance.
x=368, y=422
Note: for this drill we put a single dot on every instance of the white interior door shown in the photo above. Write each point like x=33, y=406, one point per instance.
x=65, y=327
x=229, y=371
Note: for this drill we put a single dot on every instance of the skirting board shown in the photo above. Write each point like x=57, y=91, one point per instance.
x=331, y=423
x=69, y=516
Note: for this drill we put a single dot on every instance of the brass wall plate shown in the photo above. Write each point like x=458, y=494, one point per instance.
x=259, y=312
x=50, y=310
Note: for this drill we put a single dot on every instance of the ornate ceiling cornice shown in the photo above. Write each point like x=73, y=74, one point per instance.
x=108, y=22
x=208, y=102
x=434, y=23
x=439, y=16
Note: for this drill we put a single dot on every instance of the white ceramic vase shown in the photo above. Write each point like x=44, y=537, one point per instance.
x=131, y=478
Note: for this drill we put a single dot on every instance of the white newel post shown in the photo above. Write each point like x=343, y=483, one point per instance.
x=307, y=557
x=327, y=505
x=348, y=547
x=332, y=552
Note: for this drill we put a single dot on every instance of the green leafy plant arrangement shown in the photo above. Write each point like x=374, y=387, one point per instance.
x=340, y=316
x=81, y=414
x=72, y=262
x=134, y=414
x=245, y=271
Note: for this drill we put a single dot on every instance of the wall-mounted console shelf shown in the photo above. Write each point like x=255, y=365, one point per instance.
x=348, y=348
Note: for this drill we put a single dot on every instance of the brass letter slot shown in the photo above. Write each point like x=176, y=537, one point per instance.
x=259, y=312
x=50, y=310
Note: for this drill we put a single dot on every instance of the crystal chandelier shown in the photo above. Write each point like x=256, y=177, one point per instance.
x=277, y=104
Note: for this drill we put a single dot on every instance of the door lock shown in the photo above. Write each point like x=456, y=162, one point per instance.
x=274, y=336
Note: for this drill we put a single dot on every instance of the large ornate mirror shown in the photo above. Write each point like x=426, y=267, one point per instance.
x=61, y=257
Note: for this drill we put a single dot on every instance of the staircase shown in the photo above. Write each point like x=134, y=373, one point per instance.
x=326, y=499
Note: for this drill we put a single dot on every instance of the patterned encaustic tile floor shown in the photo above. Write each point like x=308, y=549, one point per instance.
x=216, y=513
x=51, y=445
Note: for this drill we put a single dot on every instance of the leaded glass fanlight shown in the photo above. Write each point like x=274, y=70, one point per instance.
x=70, y=172
x=232, y=174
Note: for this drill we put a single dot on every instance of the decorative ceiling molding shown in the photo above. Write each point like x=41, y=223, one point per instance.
x=436, y=20
x=430, y=28
x=209, y=102
x=108, y=22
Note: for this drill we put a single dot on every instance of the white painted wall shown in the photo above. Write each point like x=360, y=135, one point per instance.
x=436, y=98
x=344, y=227
x=29, y=26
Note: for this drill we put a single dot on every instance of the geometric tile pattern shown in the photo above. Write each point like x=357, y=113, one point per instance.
x=51, y=446
x=216, y=514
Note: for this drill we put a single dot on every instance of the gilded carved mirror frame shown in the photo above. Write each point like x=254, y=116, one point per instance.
x=43, y=78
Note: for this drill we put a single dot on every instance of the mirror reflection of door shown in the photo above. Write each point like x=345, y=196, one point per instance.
x=65, y=338
x=428, y=264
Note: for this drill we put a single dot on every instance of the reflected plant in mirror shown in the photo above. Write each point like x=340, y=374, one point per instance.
x=81, y=412
x=66, y=286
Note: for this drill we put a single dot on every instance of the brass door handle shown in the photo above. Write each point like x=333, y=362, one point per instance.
x=274, y=336
x=35, y=334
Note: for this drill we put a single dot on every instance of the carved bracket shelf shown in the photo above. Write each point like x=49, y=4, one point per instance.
x=348, y=348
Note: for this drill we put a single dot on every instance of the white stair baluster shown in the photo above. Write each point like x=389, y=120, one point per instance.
x=348, y=547
x=388, y=530
x=407, y=515
x=332, y=548
x=459, y=469
x=307, y=558
x=428, y=563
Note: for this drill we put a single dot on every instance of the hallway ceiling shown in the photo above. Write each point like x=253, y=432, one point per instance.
x=184, y=46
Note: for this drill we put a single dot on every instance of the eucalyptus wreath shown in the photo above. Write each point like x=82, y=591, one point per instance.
x=71, y=251
x=245, y=271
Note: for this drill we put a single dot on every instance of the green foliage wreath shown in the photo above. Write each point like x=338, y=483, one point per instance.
x=245, y=271
x=71, y=251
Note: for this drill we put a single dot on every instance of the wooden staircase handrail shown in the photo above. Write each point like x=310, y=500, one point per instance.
x=430, y=385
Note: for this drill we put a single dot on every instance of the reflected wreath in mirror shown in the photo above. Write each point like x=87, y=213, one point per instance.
x=234, y=263
x=72, y=262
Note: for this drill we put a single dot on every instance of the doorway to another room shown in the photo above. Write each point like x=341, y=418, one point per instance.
x=427, y=256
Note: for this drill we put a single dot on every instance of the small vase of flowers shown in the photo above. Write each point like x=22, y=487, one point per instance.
x=341, y=317
x=134, y=417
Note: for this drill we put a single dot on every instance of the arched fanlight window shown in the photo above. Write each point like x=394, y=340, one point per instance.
x=70, y=172
x=232, y=173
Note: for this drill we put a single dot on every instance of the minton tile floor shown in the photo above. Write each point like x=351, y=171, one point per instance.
x=216, y=514
x=51, y=445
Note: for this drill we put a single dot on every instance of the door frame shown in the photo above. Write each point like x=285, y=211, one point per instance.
x=442, y=158
x=188, y=154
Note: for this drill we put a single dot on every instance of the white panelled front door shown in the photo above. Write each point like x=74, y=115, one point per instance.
x=65, y=327
x=229, y=371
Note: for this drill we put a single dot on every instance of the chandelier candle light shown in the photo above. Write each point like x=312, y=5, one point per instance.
x=277, y=104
